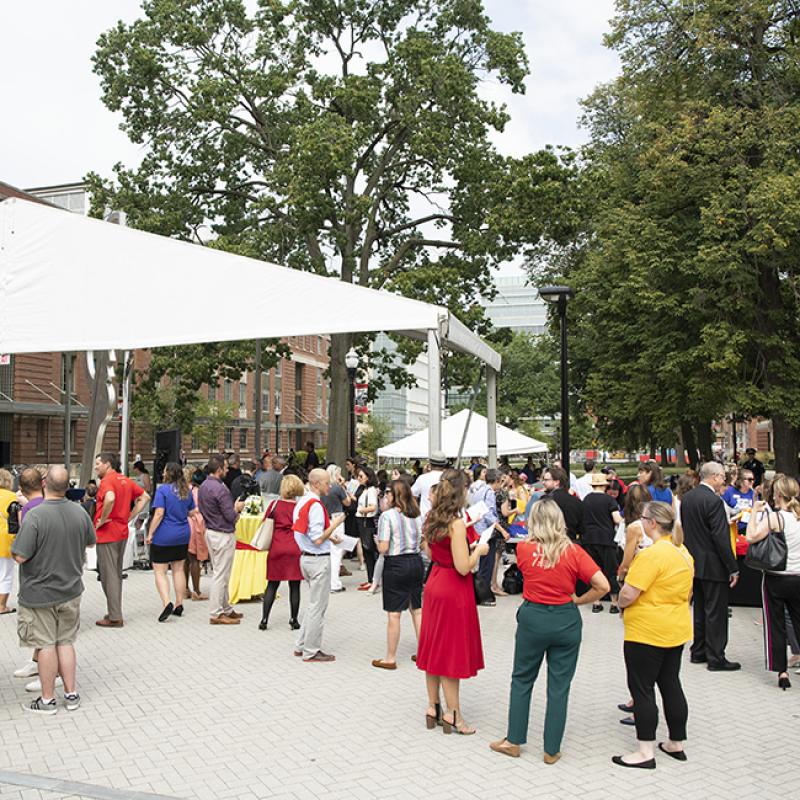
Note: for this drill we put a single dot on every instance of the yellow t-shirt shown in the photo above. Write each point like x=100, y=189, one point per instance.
x=6, y=540
x=660, y=616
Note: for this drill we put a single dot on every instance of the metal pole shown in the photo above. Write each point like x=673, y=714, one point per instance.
x=351, y=375
x=434, y=393
x=67, y=412
x=258, y=448
x=735, y=454
x=127, y=369
x=562, y=311
x=491, y=416
x=277, y=434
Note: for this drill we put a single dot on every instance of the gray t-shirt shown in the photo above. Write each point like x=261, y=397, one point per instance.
x=53, y=539
x=334, y=499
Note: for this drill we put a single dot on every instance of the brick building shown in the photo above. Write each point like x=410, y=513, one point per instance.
x=33, y=393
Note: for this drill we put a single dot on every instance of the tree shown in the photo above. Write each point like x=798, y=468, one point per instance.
x=210, y=423
x=346, y=137
x=685, y=259
x=377, y=434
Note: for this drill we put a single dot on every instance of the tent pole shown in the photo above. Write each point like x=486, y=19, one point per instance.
x=475, y=390
x=491, y=415
x=434, y=393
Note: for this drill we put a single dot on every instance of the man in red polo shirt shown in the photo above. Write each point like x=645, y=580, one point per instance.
x=119, y=500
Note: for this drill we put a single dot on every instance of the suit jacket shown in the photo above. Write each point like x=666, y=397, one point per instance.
x=572, y=509
x=707, y=534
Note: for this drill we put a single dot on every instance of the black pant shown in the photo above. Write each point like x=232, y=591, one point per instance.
x=486, y=563
x=366, y=532
x=269, y=599
x=647, y=666
x=710, y=620
x=781, y=594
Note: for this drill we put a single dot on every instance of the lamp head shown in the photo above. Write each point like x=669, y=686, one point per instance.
x=351, y=359
x=553, y=294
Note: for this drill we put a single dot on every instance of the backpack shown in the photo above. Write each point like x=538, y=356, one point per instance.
x=512, y=580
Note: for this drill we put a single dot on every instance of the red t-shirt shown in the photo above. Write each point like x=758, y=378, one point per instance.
x=125, y=492
x=553, y=587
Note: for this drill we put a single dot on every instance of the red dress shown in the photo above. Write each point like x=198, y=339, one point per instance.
x=283, y=561
x=450, y=635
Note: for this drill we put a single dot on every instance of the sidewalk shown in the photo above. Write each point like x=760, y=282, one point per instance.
x=189, y=710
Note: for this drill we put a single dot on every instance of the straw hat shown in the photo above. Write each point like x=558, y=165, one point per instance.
x=598, y=479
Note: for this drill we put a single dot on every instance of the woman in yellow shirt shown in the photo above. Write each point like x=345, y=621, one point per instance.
x=658, y=623
x=7, y=497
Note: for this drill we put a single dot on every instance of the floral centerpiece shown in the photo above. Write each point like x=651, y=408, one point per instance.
x=253, y=505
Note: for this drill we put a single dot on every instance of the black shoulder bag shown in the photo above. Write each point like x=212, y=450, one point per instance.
x=768, y=554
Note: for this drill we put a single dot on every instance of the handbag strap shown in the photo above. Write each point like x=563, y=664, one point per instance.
x=268, y=512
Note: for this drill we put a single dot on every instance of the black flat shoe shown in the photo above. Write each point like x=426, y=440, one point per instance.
x=784, y=683
x=164, y=615
x=724, y=666
x=613, y=610
x=678, y=756
x=649, y=764
x=698, y=660
x=262, y=626
x=628, y=721
x=626, y=707
x=178, y=611
x=294, y=625
x=597, y=608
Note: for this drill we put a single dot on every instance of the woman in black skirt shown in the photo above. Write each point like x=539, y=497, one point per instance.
x=168, y=537
x=399, y=539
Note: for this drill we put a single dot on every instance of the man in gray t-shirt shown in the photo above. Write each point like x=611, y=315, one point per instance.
x=50, y=549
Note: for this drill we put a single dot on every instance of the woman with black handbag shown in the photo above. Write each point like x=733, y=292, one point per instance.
x=366, y=513
x=767, y=534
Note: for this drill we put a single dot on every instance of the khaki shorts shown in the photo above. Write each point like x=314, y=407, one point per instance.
x=50, y=626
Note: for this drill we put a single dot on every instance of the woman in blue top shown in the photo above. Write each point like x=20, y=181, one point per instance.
x=169, y=537
x=652, y=478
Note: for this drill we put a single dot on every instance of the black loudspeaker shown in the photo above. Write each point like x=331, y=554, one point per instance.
x=5, y=454
x=168, y=448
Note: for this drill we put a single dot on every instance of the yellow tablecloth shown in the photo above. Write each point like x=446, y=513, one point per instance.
x=249, y=572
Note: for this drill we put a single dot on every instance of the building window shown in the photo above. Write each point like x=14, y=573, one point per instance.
x=41, y=436
x=242, y=399
x=212, y=392
x=242, y=439
x=227, y=391
x=73, y=436
x=196, y=446
x=228, y=439
x=265, y=392
x=319, y=394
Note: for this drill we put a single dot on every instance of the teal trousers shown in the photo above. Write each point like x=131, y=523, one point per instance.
x=551, y=630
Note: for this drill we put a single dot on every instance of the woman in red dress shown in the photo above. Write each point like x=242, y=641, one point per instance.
x=450, y=637
x=283, y=561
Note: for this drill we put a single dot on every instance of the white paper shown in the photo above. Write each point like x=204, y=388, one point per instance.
x=486, y=535
x=480, y=509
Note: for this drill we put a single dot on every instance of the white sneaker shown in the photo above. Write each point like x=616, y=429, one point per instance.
x=28, y=671
x=36, y=686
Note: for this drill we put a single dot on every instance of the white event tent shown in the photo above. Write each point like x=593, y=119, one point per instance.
x=509, y=443
x=72, y=283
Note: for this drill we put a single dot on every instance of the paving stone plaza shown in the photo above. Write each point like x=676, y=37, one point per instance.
x=188, y=710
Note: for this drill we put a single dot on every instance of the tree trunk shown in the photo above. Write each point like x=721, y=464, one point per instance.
x=704, y=439
x=785, y=443
x=664, y=458
x=653, y=450
x=689, y=443
x=103, y=403
x=339, y=411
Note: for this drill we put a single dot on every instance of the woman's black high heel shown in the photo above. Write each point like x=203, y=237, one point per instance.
x=784, y=683
x=294, y=625
x=432, y=721
x=262, y=626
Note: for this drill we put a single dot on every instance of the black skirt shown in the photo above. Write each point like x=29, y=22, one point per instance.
x=402, y=582
x=165, y=554
x=605, y=556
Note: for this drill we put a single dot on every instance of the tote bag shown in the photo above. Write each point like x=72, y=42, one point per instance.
x=262, y=538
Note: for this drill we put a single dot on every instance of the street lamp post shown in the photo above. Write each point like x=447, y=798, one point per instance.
x=351, y=362
x=559, y=295
x=277, y=423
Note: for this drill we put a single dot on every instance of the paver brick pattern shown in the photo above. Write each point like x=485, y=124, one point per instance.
x=190, y=710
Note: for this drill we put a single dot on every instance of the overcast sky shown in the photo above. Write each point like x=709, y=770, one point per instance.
x=56, y=129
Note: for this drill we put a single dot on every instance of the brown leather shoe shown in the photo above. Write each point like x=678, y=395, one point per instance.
x=548, y=759
x=223, y=620
x=320, y=657
x=506, y=748
x=345, y=573
x=297, y=653
x=109, y=623
x=381, y=664
x=234, y=615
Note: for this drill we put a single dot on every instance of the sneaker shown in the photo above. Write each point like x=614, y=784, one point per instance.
x=38, y=706
x=72, y=701
x=319, y=658
x=28, y=671
x=36, y=685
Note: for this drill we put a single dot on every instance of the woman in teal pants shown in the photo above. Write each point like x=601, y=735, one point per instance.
x=548, y=623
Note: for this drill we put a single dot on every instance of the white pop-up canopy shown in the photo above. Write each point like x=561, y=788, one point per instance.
x=72, y=283
x=509, y=443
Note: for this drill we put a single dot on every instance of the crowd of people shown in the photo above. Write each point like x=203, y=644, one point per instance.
x=433, y=541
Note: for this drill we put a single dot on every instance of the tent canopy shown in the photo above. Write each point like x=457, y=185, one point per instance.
x=73, y=283
x=509, y=443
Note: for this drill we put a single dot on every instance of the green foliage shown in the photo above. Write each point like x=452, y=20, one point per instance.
x=375, y=435
x=211, y=420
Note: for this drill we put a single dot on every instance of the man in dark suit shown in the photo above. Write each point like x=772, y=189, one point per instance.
x=556, y=484
x=707, y=536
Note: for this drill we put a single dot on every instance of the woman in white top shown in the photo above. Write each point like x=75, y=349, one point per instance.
x=366, y=512
x=781, y=590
